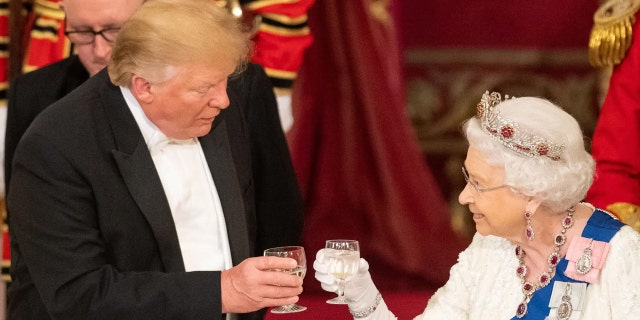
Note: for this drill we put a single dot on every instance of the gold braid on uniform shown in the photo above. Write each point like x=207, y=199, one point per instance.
x=611, y=32
x=627, y=212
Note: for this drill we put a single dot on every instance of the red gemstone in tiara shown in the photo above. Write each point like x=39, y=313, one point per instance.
x=510, y=134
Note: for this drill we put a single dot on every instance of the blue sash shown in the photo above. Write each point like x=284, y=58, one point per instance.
x=600, y=227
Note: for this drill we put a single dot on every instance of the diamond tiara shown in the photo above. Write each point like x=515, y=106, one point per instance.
x=509, y=133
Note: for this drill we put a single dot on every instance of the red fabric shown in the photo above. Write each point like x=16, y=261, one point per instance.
x=45, y=47
x=405, y=305
x=4, y=82
x=286, y=7
x=616, y=141
x=353, y=148
x=498, y=23
x=279, y=52
x=4, y=53
x=281, y=47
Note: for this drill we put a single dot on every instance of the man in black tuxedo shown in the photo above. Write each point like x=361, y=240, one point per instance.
x=36, y=90
x=146, y=192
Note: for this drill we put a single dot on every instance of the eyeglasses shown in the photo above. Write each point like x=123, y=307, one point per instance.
x=475, y=184
x=89, y=36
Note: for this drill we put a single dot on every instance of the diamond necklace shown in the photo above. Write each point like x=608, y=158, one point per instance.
x=528, y=288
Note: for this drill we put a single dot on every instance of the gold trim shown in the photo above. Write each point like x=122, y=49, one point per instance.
x=281, y=74
x=52, y=4
x=611, y=34
x=53, y=23
x=67, y=47
x=284, y=19
x=29, y=68
x=48, y=9
x=627, y=212
x=284, y=31
x=44, y=35
x=265, y=3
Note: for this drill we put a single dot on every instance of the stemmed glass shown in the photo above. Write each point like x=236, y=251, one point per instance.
x=343, y=259
x=297, y=253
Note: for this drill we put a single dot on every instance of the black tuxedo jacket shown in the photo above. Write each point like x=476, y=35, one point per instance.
x=92, y=235
x=33, y=92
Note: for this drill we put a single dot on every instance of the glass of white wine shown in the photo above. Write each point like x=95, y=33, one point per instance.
x=296, y=253
x=343, y=259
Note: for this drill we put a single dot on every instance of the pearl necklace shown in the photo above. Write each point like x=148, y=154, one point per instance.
x=544, y=278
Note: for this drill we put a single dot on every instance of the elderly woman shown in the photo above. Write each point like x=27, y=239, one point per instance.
x=539, y=253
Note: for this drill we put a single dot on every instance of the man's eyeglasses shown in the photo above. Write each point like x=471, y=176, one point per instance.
x=89, y=36
x=475, y=184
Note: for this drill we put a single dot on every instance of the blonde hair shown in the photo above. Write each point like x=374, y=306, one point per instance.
x=557, y=184
x=165, y=33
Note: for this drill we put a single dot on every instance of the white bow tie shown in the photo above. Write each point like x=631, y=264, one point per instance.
x=159, y=142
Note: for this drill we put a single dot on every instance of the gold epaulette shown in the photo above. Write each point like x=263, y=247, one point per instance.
x=611, y=32
x=627, y=212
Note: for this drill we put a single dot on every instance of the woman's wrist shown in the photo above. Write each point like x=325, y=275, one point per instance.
x=359, y=314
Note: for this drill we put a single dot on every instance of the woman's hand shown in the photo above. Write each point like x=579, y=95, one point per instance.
x=360, y=291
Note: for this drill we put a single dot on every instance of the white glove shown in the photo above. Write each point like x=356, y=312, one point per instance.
x=360, y=291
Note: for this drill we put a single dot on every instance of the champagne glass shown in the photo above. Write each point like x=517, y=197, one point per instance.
x=343, y=259
x=297, y=253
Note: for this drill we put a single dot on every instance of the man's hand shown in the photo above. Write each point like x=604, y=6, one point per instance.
x=255, y=284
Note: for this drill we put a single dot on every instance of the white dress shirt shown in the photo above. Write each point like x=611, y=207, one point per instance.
x=191, y=192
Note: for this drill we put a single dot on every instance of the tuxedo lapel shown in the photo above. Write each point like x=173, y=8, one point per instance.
x=140, y=176
x=143, y=183
x=217, y=151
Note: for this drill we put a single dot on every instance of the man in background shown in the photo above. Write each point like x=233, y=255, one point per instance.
x=616, y=140
x=32, y=93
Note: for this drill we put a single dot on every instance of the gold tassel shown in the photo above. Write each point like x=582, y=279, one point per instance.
x=611, y=34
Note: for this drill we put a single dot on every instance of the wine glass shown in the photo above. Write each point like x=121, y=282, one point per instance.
x=297, y=253
x=343, y=259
